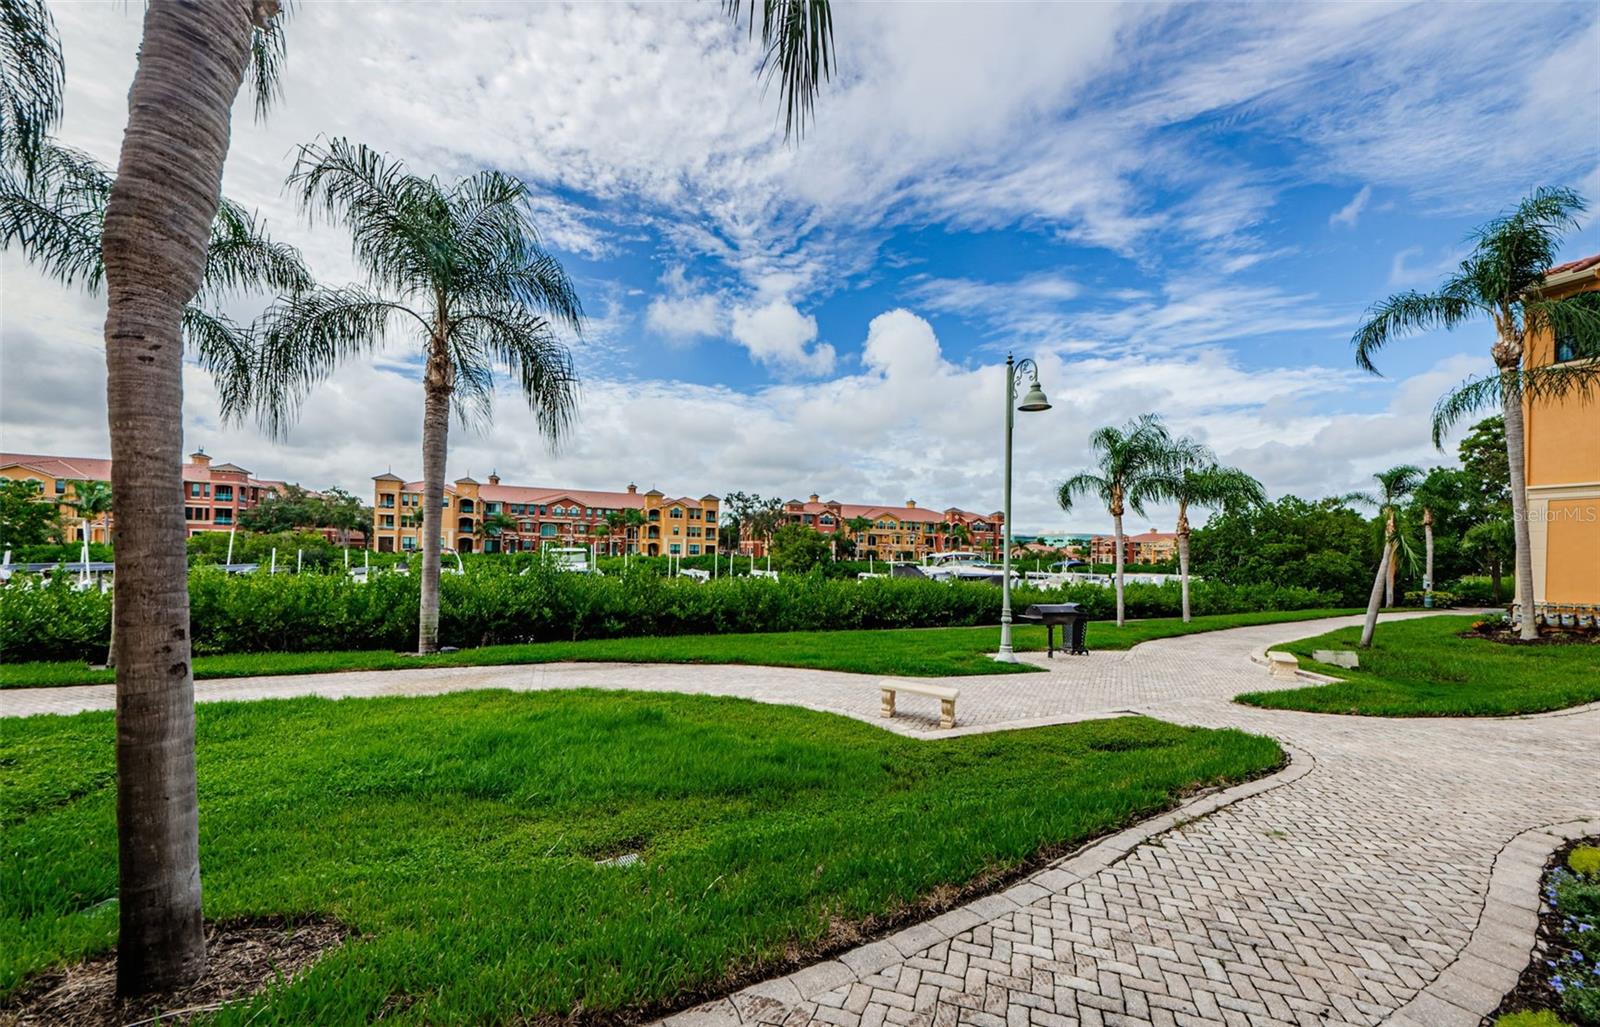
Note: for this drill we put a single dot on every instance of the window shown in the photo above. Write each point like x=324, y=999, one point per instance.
x=825, y=519
x=225, y=493
x=547, y=531
x=674, y=549
x=1566, y=348
x=408, y=543
x=694, y=550
x=61, y=486
x=388, y=520
x=694, y=515
x=224, y=517
x=676, y=512
x=194, y=489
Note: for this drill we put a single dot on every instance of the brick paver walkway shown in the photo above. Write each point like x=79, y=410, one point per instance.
x=1333, y=895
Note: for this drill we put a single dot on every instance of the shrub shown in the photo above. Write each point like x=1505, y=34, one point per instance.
x=1585, y=859
x=1542, y=1018
x=494, y=603
x=1476, y=591
x=1440, y=598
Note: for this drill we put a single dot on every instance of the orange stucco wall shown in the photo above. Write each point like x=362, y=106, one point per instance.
x=1563, y=438
x=1572, y=561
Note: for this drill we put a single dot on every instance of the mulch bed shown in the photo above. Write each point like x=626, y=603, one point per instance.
x=1507, y=635
x=243, y=957
x=1533, y=991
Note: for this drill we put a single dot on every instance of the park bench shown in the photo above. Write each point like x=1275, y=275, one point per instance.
x=946, y=697
x=1284, y=666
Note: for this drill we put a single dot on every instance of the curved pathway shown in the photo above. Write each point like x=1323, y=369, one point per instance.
x=1345, y=890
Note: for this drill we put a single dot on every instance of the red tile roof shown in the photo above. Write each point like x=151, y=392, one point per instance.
x=1581, y=264
x=545, y=495
x=99, y=469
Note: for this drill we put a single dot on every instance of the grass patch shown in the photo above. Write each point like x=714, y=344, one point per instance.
x=1423, y=668
x=908, y=652
x=458, y=836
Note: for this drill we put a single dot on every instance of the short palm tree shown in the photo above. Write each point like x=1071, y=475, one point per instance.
x=458, y=268
x=496, y=524
x=1193, y=478
x=1394, y=485
x=1132, y=462
x=858, y=526
x=92, y=501
x=1499, y=282
x=616, y=531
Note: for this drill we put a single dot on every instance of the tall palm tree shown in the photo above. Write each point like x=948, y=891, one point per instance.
x=1499, y=282
x=1193, y=478
x=1394, y=485
x=156, y=238
x=1131, y=460
x=459, y=268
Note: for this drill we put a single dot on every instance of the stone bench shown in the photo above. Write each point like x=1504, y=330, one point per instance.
x=946, y=696
x=1283, y=665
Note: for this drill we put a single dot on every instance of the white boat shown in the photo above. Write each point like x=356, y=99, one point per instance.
x=963, y=565
x=571, y=558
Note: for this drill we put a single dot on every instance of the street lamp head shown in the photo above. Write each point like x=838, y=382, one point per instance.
x=1034, y=400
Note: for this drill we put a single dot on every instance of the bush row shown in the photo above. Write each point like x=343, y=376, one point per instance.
x=309, y=612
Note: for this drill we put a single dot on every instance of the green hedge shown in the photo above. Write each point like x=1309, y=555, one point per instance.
x=310, y=612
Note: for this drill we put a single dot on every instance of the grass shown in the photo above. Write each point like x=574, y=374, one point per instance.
x=1423, y=668
x=458, y=835
x=909, y=652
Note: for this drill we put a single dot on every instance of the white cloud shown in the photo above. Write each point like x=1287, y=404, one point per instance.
x=778, y=335
x=1350, y=213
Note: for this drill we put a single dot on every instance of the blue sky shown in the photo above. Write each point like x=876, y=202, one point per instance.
x=1174, y=208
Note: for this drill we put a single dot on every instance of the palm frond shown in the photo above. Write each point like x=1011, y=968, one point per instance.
x=1513, y=251
x=797, y=37
x=32, y=82
x=242, y=257
x=223, y=349
x=1575, y=320
x=1550, y=383
x=525, y=344
x=267, y=56
x=386, y=209
x=300, y=342
x=1405, y=313
x=1083, y=484
x=54, y=218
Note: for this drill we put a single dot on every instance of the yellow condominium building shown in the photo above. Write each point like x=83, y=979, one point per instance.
x=1563, y=470
x=494, y=518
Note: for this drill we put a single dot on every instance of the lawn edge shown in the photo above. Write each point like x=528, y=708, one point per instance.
x=1502, y=940
x=1289, y=618
x=1060, y=873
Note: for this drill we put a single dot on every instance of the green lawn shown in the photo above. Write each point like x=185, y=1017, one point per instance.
x=457, y=834
x=1422, y=668
x=911, y=652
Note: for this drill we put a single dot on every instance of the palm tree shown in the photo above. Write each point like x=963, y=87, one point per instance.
x=1394, y=485
x=496, y=524
x=616, y=528
x=1499, y=281
x=462, y=268
x=858, y=526
x=1194, y=478
x=633, y=519
x=156, y=239
x=1131, y=465
x=92, y=501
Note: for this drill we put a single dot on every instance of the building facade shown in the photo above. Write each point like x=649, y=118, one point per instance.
x=904, y=533
x=495, y=518
x=213, y=494
x=1146, y=547
x=1562, y=469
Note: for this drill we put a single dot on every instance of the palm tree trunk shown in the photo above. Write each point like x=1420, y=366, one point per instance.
x=1374, y=599
x=435, y=441
x=1391, y=550
x=1183, y=557
x=1511, y=405
x=157, y=226
x=1117, y=523
x=1427, y=545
